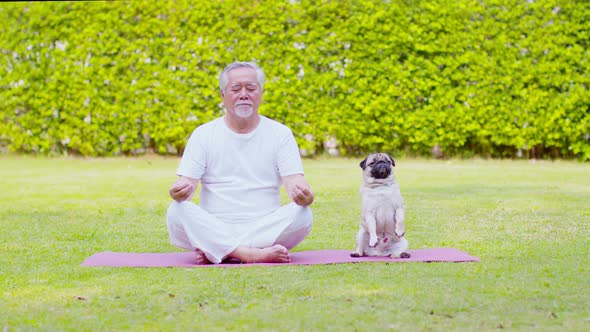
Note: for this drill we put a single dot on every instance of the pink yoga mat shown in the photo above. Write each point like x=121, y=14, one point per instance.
x=187, y=259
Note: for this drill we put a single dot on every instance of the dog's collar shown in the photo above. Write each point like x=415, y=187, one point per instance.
x=378, y=184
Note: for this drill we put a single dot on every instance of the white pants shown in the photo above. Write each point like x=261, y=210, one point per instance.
x=190, y=227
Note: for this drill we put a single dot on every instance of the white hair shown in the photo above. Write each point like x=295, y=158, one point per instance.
x=234, y=65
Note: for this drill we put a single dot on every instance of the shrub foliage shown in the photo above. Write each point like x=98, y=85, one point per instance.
x=490, y=78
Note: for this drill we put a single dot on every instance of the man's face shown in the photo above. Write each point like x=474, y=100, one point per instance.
x=242, y=94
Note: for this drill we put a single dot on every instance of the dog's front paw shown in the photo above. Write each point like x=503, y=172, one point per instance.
x=355, y=254
x=373, y=242
x=404, y=255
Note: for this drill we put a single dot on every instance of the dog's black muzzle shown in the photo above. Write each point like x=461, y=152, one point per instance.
x=381, y=170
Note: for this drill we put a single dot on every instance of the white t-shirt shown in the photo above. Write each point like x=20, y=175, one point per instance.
x=240, y=173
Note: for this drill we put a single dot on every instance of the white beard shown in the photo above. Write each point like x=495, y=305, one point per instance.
x=244, y=111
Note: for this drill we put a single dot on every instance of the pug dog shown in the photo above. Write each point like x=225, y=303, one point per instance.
x=382, y=228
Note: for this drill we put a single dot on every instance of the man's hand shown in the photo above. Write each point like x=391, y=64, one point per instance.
x=301, y=195
x=183, y=189
x=298, y=189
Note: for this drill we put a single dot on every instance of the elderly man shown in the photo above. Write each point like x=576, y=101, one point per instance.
x=241, y=160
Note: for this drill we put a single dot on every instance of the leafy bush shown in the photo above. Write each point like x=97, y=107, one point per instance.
x=493, y=78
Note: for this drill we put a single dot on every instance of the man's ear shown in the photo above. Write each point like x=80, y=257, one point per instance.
x=363, y=164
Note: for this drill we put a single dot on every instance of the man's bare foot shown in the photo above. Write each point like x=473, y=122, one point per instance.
x=274, y=254
x=201, y=258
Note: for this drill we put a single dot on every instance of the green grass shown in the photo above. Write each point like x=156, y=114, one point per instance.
x=528, y=222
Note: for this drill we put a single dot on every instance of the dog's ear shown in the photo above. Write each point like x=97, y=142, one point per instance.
x=363, y=164
x=392, y=161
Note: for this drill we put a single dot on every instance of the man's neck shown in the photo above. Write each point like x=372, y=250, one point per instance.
x=242, y=125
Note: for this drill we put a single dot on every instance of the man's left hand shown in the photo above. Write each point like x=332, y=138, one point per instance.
x=298, y=189
x=301, y=195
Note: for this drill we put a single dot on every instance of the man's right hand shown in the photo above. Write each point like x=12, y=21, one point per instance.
x=183, y=189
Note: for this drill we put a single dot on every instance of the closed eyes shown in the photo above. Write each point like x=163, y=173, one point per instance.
x=249, y=87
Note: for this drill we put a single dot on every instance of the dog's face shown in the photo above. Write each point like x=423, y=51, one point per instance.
x=378, y=165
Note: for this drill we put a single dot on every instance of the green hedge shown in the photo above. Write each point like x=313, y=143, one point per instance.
x=490, y=78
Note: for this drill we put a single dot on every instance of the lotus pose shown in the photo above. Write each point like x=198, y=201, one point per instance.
x=241, y=160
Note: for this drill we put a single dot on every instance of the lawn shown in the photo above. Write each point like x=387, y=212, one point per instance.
x=529, y=222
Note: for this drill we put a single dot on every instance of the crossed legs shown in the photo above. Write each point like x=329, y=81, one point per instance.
x=213, y=240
